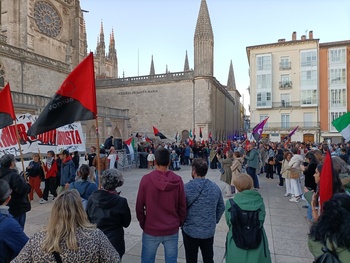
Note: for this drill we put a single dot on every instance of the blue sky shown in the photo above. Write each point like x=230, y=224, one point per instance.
x=165, y=29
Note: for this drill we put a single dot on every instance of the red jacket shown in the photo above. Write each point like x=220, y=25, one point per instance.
x=161, y=203
x=52, y=172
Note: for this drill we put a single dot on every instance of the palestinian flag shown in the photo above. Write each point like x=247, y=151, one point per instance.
x=342, y=124
x=157, y=133
x=130, y=147
x=74, y=101
x=7, y=112
x=190, y=134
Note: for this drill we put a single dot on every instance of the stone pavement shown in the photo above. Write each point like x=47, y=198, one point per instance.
x=285, y=225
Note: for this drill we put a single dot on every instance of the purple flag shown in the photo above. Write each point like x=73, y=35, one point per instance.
x=258, y=129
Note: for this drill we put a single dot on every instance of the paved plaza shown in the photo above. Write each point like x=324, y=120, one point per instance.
x=285, y=225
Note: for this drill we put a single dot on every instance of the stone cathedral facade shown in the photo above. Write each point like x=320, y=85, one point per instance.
x=41, y=41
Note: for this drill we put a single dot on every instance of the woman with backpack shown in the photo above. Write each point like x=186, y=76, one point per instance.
x=246, y=240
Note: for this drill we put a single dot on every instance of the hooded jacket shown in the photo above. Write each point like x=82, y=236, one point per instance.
x=67, y=171
x=111, y=213
x=19, y=203
x=249, y=200
x=161, y=203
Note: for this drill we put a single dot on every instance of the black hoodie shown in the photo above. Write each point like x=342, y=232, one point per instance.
x=110, y=213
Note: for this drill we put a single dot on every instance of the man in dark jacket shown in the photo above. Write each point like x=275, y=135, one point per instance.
x=161, y=209
x=19, y=203
x=109, y=211
x=68, y=171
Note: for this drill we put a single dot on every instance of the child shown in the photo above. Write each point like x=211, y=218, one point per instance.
x=150, y=159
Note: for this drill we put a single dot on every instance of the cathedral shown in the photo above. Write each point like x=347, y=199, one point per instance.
x=41, y=41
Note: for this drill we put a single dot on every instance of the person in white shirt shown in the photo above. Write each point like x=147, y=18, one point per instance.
x=113, y=158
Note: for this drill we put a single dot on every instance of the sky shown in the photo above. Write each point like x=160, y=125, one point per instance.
x=165, y=29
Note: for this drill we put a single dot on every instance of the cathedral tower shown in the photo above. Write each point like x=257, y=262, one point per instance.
x=203, y=44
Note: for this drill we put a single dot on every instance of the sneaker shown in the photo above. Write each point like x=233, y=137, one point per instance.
x=43, y=201
x=286, y=194
x=294, y=199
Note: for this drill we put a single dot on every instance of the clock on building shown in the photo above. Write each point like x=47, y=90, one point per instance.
x=47, y=19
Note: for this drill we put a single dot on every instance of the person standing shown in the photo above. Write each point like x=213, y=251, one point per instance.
x=50, y=169
x=12, y=238
x=247, y=200
x=67, y=170
x=205, y=207
x=109, y=211
x=35, y=172
x=19, y=203
x=160, y=209
x=113, y=158
x=252, y=158
x=226, y=176
x=150, y=159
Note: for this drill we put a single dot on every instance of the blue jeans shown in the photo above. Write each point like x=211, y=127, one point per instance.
x=252, y=172
x=150, y=245
x=21, y=220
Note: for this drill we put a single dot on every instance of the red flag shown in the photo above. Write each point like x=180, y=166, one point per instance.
x=326, y=180
x=74, y=101
x=7, y=112
x=157, y=133
x=200, y=132
x=247, y=142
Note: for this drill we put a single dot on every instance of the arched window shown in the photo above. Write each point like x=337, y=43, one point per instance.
x=2, y=75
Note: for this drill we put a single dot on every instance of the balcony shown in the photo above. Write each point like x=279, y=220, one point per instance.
x=287, y=126
x=285, y=84
x=285, y=65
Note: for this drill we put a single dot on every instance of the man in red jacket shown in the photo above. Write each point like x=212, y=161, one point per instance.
x=160, y=209
x=50, y=170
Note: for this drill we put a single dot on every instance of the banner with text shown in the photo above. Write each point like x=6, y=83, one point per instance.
x=68, y=137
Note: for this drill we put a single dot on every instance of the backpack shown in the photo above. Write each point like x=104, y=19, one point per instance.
x=328, y=256
x=246, y=229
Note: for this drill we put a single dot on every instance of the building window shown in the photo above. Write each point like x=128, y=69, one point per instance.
x=285, y=83
x=263, y=99
x=338, y=97
x=309, y=97
x=285, y=64
x=263, y=81
x=263, y=62
x=336, y=56
x=308, y=78
x=2, y=75
x=332, y=117
x=308, y=119
x=337, y=76
x=308, y=58
x=285, y=121
x=285, y=100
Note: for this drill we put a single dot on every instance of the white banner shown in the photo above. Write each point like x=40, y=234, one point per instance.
x=68, y=137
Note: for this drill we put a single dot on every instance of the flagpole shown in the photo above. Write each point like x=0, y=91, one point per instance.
x=42, y=162
x=98, y=154
x=20, y=150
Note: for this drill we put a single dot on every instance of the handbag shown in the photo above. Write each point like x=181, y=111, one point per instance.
x=272, y=162
x=294, y=173
x=57, y=257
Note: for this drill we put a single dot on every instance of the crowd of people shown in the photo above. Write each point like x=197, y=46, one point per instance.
x=89, y=215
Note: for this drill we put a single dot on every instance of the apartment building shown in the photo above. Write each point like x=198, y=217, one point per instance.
x=284, y=87
x=334, y=85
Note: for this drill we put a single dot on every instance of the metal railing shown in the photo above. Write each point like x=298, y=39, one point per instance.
x=285, y=84
x=285, y=65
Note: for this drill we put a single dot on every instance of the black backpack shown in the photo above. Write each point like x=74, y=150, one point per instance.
x=328, y=256
x=246, y=229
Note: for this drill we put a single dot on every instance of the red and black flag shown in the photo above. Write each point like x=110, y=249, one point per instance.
x=74, y=101
x=200, y=133
x=326, y=180
x=157, y=133
x=7, y=112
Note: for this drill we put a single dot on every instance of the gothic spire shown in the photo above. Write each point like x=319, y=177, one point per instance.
x=102, y=41
x=231, y=83
x=203, y=43
x=186, y=66
x=152, y=71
